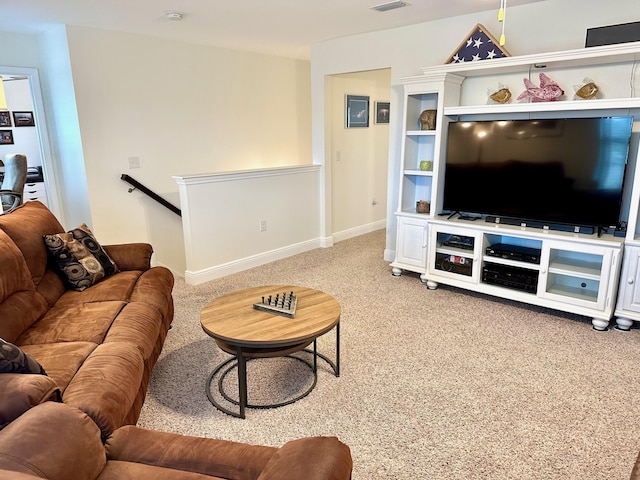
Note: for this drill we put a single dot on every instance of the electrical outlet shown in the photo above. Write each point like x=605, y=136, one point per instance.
x=263, y=225
x=134, y=162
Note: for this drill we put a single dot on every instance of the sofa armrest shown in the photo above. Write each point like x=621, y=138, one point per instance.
x=106, y=384
x=130, y=256
x=311, y=458
x=206, y=456
x=19, y=392
x=52, y=441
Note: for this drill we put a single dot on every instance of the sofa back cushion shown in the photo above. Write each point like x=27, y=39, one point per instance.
x=20, y=304
x=26, y=225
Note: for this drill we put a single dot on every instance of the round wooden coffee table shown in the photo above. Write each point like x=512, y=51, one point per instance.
x=246, y=333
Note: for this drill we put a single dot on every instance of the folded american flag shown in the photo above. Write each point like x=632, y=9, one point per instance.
x=478, y=45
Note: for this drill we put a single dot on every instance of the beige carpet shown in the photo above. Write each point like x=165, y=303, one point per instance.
x=441, y=384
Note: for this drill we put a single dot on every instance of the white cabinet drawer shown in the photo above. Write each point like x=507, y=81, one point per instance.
x=35, y=191
x=32, y=188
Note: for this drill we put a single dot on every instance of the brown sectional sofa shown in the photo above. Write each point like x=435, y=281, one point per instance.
x=98, y=348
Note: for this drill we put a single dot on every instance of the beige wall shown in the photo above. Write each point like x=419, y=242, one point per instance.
x=181, y=109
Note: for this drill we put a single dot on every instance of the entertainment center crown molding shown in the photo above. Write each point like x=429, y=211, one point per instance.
x=565, y=270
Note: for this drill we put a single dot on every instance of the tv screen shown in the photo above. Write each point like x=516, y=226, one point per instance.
x=563, y=171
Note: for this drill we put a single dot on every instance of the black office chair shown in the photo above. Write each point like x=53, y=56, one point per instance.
x=13, y=181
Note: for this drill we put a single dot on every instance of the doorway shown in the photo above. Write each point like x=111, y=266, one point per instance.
x=26, y=132
x=359, y=155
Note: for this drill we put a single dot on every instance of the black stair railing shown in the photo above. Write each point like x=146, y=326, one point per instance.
x=138, y=186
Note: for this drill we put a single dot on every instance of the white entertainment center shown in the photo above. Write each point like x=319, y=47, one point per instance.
x=594, y=275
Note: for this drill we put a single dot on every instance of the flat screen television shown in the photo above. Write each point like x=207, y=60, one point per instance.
x=566, y=171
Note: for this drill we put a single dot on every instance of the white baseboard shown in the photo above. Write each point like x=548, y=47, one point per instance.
x=326, y=242
x=361, y=230
x=218, y=271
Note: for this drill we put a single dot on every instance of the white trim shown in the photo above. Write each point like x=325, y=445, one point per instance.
x=235, y=266
x=242, y=174
x=53, y=202
x=361, y=230
x=326, y=242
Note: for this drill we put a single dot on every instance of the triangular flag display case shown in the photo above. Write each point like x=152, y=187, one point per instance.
x=478, y=45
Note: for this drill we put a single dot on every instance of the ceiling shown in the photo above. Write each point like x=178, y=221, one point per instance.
x=279, y=27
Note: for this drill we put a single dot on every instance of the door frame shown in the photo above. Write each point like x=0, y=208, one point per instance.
x=48, y=168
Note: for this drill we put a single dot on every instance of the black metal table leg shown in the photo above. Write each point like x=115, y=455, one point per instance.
x=242, y=381
x=315, y=355
x=337, y=369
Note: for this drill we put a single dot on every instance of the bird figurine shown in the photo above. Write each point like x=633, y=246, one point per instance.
x=502, y=95
x=548, y=91
x=587, y=90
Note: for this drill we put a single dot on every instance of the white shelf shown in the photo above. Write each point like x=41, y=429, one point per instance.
x=588, y=270
x=420, y=173
x=458, y=252
x=421, y=132
x=577, y=293
x=532, y=233
x=620, y=104
x=626, y=52
x=511, y=263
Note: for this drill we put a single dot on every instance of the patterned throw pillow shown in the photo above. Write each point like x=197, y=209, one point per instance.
x=80, y=258
x=14, y=360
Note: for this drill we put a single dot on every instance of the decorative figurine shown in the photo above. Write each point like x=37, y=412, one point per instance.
x=587, y=90
x=502, y=95
x=548, y=91
x=428, y=120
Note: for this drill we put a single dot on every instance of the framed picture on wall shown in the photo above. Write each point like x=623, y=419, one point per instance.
x=23, y=119
x=6, y=137
x=5, y=118
x=356, y=111
x=382, y=112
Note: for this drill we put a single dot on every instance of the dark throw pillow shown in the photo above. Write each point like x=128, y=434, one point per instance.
x=14, y=360
x=79, y=257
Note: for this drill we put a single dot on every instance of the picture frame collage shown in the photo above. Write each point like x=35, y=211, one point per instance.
x=14, y=119
x=357, y=111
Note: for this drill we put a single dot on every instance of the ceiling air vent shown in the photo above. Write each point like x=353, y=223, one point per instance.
x=384, y=7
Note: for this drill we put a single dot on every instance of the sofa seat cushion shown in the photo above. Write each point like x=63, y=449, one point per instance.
x=106, y=385
x=20, y=392
x=70, y=322
x=115, y=287
x=62, y=360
